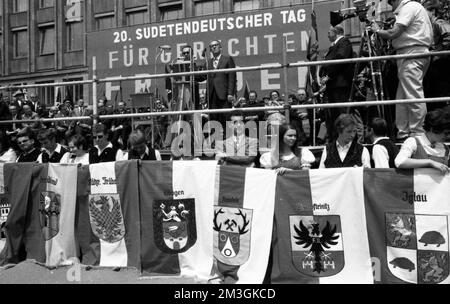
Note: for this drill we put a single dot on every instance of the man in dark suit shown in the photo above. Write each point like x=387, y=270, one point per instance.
x=337, y=78
x=221, y=86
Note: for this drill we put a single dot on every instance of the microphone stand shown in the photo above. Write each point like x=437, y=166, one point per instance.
x=154, y=96
x=207, y=93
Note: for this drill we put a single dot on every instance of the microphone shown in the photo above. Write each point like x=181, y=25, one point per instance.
x=204, y=53
x=165, y=47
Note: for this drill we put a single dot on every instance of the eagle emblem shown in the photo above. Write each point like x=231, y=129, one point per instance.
x=317, y=245
x=106, y=217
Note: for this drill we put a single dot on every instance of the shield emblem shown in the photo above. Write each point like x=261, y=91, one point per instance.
x=232, y=231
x=417, y=247
x=174, y=225
x=317, y=244
x=49, y=210
x=106, y=217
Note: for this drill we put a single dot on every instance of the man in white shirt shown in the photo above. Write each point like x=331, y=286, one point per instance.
x=345, y=151
x=52, y=152
x=103, y=150
x=384, y=149
x=412, y=33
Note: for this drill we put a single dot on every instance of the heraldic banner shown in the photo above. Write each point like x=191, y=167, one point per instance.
x=408, y=225
x=243, y=220
x=320, y=228
x=15, y=182
x=176, y=203
x=50, y=215
x=107, y=227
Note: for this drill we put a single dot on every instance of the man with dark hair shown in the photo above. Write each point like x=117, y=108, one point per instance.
x=221, y=86
x=337, y=78
x=238, y=149
x=384, y=151
x=25, y=141
x=139, y=149
x=52, y=152
x=103, y=150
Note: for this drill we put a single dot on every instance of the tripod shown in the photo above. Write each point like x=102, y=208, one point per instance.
x=367, y=81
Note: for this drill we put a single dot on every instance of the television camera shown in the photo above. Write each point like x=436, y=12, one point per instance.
x=360, y=9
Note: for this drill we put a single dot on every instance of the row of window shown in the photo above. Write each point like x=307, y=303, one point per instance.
x=47, y=36
x=22, y=5
x=169, y=11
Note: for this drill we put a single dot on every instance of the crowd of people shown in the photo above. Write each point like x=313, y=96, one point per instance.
x=417, y=29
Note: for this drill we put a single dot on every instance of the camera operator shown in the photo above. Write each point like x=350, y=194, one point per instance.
x=412, y=33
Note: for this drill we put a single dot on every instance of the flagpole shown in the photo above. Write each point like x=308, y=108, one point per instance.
x=285, y=78
x=94, y=89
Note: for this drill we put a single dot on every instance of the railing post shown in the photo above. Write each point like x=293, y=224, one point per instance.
x=94, y=89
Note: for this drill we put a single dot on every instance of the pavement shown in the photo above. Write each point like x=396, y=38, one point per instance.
x=31, y=272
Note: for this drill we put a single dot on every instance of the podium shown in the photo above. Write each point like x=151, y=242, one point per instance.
x=143, y=102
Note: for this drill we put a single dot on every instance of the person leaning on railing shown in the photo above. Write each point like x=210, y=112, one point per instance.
x=428, y=150
x=286, y=155
x=345, y=151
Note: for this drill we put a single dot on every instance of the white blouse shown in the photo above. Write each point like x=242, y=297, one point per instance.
x=67, y=159
x=307, y=158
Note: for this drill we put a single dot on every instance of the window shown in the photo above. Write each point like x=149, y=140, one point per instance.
x=20, y=6
x=20, y=43
x=73, y=92
x=46, y=40
x=46, y=3
x=245, y=5
x=171, y=12
x=288, y=2
x=105, y=21
x=74, y=36
x=207, y=7
x=46, y=94
x=137, y=16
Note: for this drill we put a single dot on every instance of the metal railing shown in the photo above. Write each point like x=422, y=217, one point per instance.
x=94, y=81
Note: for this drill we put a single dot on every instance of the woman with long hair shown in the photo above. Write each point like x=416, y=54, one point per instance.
x=427, y=150
x=286, y=155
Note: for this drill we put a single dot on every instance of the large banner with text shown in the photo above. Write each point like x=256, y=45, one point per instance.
x=253, y=38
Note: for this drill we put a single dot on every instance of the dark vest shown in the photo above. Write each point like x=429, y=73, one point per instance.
x=55, y=158
x=108, y=155
x=30, y=157
x=151, y=156
x=391, y=148
x=352, y=159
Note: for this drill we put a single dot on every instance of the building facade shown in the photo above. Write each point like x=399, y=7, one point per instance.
x=44, y=41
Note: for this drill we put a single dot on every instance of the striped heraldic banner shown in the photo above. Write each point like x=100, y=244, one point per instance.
x=208, y=222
